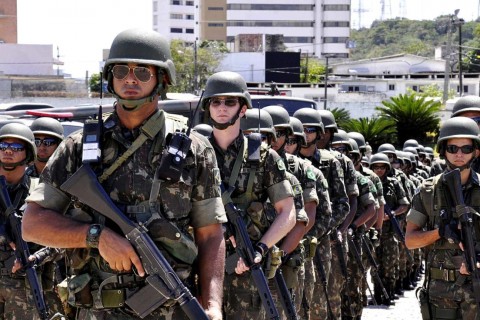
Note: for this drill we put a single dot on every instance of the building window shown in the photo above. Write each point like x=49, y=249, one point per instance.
x=176, y=30
x=189, y=3
x=154, y=20
x=176, y=16
x=336, y=7
x=270, y=23
x=189, y=17
x=391, y=87
x=465, y=89
x=336, y=24
x=270, y=7
x=415, y=88
x=215, y=8
x=176, y=2
x=189, y=31
x=215, y=24
x=155, y=6
x=298, y=39
x=335, y=39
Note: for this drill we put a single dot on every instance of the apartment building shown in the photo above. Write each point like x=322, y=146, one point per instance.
x=8, y=21
x=314, y=27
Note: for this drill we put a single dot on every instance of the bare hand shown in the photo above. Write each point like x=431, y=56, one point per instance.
x=214, y=313
x=118, y=252
x=242, y=267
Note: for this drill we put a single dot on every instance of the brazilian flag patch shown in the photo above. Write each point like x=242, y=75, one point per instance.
x=281, y=165
x=310, y=174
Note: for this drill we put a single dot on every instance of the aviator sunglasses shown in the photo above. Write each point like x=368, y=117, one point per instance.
x=228, y=102
x=121, y=71
x=47, y=142
x=466, y=149
x=14, y=146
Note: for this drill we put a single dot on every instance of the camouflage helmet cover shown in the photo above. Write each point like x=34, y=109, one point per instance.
x=226, y=83
x=47, y=126
x=21, y=132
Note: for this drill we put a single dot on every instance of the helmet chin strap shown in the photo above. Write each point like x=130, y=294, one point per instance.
x=465, y=166
x=42, y=159
x=134, y=104
x=12, y=166
x=223, y=126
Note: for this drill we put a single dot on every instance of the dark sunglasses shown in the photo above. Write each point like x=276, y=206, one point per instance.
x=309, y=129
x=291, y=141
x=476, y=119
x=121, y=71
x=379, y=168
x=280, y=133
x=228, y=102
x=14, y=146
x=340, y=149
x=390, y=155
x=47, y=142
x=467, y=149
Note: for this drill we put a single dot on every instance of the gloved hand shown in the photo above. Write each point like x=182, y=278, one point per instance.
x=449, y=232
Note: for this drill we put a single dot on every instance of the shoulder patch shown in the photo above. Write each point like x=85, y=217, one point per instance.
x=362, y=179
x=311, y=174
x=281, y=164
x=216, y=176
x=297, y=189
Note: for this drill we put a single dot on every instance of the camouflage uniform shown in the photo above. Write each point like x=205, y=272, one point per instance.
x=448, y=291
x=315, y=306
x=193, y=201
x=241, y=298
x=387, y=252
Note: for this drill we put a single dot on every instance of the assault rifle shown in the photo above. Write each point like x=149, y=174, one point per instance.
x=398, y=230
x=12, y=218
x=358, y=259
x=342, y=261
x=323, y=279
x=454, y=186
x=285, y=297
x=162, y=283
x=374, y=265
x=245, y=250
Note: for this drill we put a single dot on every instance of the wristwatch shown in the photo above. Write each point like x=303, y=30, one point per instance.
x=93, y=235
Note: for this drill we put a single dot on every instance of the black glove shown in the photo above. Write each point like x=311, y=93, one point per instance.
x=449, y=232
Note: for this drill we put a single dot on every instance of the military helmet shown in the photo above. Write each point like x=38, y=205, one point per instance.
x=280, y=117
x=421, y=150
x=379, y=158
x=258, y=118
x=412, y=150
x=354, y=145
x=204, y=129
x=328, y=120
x=226, y=83
x=309, y=118
x=410, y=143
x=365, y=160
x=458, y=127
x=342, y=137
x=400, y=156
x=22, y=132
x=386, y=148
x=464, y=104
x=297, y=127
x=140, y=46
x=359, y=138
x=429, y=152
x=47, y=126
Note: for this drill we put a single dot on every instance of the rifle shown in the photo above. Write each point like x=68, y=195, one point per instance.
x=398, y=230
x=245, y=250
x=353, y=247
x=374, y=266
x=162, y=283
x=323, y=280
x=454, y=186
x=285, y=297
x=12, y=217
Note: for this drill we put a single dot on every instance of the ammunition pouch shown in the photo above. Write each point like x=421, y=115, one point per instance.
x=310, y=244
x=78, y=291
x=256, y=221
x=448, y=275
x=440, y=313
x=422, y=297
x=273, y=260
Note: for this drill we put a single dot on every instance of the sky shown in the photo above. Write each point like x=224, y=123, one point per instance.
x=82, y=29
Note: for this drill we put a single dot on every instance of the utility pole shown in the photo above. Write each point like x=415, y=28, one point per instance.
x=195, y=69
x=326, y=55
x=446, y=80
x=459, y=22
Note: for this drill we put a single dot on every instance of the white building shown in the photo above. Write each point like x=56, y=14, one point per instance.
x=27, y=59
x=314, y=27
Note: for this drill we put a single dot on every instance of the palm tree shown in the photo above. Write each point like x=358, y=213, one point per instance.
x=415, y=117
x=376, y=130
x=341, y=116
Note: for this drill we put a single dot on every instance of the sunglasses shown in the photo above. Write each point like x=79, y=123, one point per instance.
x=379, y=168
x=466, y=149
x=476, y=119
x=280, y=133
x=121, y=71
x=47, y=142
x=340, y=149
x=291, y=141
x=14, y=146
x=309, y=129
x=228, y=102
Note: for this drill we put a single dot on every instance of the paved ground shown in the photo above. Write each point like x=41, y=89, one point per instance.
x=406, y=308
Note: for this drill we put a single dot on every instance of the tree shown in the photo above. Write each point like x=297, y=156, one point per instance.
x=415, y=117
x=314, y=69
x=94, y=83
x=431, y=91
x=376, y=130
x=209, y=55
x=341, y=115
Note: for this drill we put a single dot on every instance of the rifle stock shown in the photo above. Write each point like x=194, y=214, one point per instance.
x=454, y=187
x=398, y=230
x=323, y=280
x=21, y=249
x=374, y=266
x=162, y=281
x=353, y=247
x=245, y=250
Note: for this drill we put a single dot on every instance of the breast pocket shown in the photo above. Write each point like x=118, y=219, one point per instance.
x=176, y=197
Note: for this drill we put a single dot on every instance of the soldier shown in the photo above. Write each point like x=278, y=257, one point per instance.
x=248, y=182
x=48, y=134
x=397, y=203
x=316, y=306
x=352, y=295
x=432, y=221
x=139, y=70
x=17, y=150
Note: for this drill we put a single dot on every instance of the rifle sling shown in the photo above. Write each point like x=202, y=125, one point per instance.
x=148, y=131
x=234, y=176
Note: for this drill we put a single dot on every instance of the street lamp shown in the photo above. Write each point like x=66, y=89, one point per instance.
x=459, y=22
x=326, y=55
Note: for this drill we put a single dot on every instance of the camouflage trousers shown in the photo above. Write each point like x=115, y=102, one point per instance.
x=15, y=302
x=241, y=299
x=448, y=296
x=352, y=294
x=337, y=278
x=314, y=303
x=387, y=259
x=294, y=278
x=122, y=314
x=403, y=262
